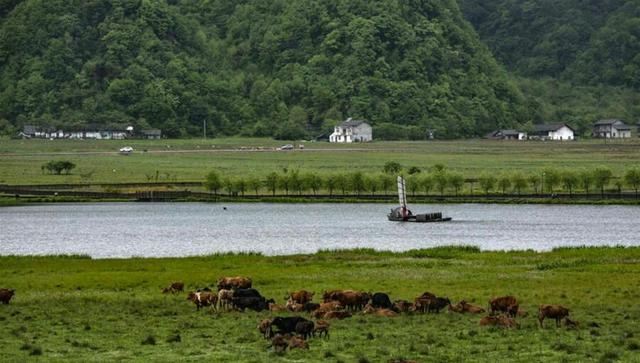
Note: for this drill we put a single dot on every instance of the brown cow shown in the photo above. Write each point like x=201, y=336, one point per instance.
x=337, y=315
x=329, y=295
x=175, y=287
x=297, y=342
x=368, y=309
x=402, y=306
x=265, y=328
x=237, y=282
x=6, y=295
x=329, y=306
x=293, y=306
x=557, y=312
x=352, y=299
x=456, y=308
x=277, y=308
x=280, y=342
x=225, y=298
x=571, y=324
x=470, y=308
x=202, y=299
x=322, y=326
x=505, y=304
x=301, y=297
x=501, y=321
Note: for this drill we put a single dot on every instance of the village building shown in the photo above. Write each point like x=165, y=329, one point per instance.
x=560, y=132
x=89, y=132
x=151, y=134
x=507, y=135
x=352, y=131
x=611, y=129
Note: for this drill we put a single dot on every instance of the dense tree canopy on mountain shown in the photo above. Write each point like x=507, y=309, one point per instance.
x=279, y=68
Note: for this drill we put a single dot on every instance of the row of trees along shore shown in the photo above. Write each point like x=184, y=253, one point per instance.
x=436, y=181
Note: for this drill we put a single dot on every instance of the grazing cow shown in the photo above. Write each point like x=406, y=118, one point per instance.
x=504, y=304
x=237, y=282
x=252, y=303
x=322, y=326
x=246, y=293
x=336, y=315
x=369, y=309
x=277, y=308
x=174, y=288
x=310, y=307
x=301, y=297
x=470, y=308
x=287, y=324
x=557, y=312
x=401, y=306
x=202, y=299
x=381, y=300
x=297, y=342
x=351, y=299
x=6, y=295
x=265, y=328
x=571, y=324
x=305, y=328
x=225, y=298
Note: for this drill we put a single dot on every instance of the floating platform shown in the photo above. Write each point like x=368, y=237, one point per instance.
x=396, y=215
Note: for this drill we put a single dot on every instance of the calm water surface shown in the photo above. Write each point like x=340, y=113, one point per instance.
x=184, y=229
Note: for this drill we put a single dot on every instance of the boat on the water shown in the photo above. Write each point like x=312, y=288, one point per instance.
x=403, y=214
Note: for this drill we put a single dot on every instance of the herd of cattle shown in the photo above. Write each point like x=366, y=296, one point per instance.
x=237, y=293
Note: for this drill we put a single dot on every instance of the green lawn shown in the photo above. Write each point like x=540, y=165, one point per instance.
x=190, y=160
x=102, y=310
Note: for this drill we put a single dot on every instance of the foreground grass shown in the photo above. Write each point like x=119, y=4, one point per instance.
x=75, y=308
x=190, y=160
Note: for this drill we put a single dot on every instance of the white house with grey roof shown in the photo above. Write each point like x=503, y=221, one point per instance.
x=560, y=132
x=611, y=129
x=352, y=131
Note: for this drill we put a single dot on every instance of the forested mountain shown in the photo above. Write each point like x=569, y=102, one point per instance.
x=586, y=41
x=266, y=68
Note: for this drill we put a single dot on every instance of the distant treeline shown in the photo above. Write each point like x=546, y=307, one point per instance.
x=437, y=181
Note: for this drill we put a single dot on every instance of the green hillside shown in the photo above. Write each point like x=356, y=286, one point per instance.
x=277, y=68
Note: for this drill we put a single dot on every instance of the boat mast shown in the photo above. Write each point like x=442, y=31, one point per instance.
x=402, y=196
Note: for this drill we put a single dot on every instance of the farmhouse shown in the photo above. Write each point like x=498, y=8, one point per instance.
x=611, y=129
x=553, y=132
x=507, y=135
x=352, y=131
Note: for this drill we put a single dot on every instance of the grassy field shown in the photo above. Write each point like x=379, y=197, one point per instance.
x=190, y=160
x=74, y=308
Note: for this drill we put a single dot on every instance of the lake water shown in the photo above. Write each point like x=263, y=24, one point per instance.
x=184, y=229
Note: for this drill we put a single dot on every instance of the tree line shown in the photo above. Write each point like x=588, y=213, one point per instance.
x=438, y=181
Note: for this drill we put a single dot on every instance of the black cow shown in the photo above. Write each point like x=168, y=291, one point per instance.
x=381, y=300
x=287, y=324
x=309, y=307
x=252, y=303
x=246, y=293
x=437, y=304
x=305, y=328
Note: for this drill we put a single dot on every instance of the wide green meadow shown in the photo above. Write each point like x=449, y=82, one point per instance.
x=79, y=309
x=190, y=160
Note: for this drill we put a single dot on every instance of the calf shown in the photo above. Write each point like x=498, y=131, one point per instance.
x=293, y=306
x=287, y=324
x=174, y=288
x=238, y=282
x=252, y=303
x=381, y=300
x=322, y=326
x=571, y=324
x=265, y=328
x=225, y=298
x=500, y=321
x=470, y=308
x=337, y=315
x=305, y=328
x=296, y=342
x=401, y=306
x=202, y=299
x=505, y=304
x=369, y=309
x=301, y=297
x=6, y=295
x=277, y=308
x=557, y=312
x=280, y=342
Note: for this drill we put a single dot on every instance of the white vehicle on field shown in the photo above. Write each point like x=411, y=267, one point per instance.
x=126, y=150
